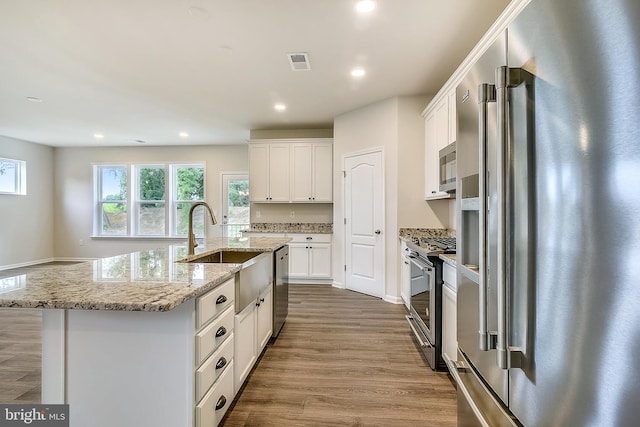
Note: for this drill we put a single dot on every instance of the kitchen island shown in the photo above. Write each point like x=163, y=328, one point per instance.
x=134, y=339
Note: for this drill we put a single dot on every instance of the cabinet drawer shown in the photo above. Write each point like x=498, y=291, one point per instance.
x=309, y=238
x=215, y=403
x=210, y=338
x=213, y=367
x=449, y=276
x=214, y=302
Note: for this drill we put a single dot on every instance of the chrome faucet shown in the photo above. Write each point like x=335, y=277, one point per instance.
x=192, y=237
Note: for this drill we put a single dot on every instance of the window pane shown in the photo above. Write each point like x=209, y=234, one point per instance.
x=190, y=183
x=182, y=219
x=151, y=181
x=151, y=219
x=238, y=202
x=114, y=183
x=114, y=218
x=8, y=182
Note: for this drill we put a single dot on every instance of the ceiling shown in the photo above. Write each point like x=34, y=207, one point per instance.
x=150, y=69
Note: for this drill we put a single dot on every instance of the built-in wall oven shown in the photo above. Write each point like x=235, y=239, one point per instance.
x=425, y=309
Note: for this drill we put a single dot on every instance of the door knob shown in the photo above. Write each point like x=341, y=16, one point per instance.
x=377, y=231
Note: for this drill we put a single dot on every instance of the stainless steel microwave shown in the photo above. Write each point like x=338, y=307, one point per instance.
x=447, y=166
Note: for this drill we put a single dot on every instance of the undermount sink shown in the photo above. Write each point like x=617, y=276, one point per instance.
x=226, y=257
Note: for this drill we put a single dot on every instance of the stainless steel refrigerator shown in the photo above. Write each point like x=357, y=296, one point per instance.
x=549, y=221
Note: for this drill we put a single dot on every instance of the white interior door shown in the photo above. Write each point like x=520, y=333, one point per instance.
x=364, y=208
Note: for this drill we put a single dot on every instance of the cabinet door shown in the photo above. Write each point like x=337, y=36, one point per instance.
x=449, y=324
x=405, y=277
x=320, y=261
x=322, y=172
x=259, y=172
x=453, y=118
x=279, y=167
x=301, y=172
x=244, y=344
x=442, y=124
x=431, y=160
x=265, y=319
x=298, y=260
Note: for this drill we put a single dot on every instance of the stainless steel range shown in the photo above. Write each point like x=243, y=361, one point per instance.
x=425, y=313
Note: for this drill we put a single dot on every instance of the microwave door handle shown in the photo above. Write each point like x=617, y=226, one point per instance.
x=486, y=94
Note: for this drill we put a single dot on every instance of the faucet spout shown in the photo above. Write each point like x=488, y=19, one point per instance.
x=192, y=237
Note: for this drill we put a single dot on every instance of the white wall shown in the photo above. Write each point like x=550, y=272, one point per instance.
x=395, y=125
x=26, y=222
x=74, y=191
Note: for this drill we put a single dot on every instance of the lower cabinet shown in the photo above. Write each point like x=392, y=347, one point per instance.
x=310, y=256
x=253, y=327
x=449, y=312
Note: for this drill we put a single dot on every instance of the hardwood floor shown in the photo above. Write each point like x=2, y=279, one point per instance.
x=21, y=347
x=343, y=358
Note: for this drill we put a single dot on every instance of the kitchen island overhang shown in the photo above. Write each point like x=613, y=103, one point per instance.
x=118, y=332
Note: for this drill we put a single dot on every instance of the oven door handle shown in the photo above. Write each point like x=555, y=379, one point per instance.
x=421, y=264
x=416, y=334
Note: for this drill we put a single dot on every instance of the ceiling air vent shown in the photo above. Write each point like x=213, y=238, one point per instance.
x=299, y=61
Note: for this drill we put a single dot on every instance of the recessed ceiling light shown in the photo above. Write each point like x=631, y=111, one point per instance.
x=183, y=135
x=365, y=6
x=280, y=107
x=98, y=135
x=357, y=72
x=33, y=99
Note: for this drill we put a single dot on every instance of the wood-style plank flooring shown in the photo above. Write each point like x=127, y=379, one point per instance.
x=343, y=358
x=21, y=347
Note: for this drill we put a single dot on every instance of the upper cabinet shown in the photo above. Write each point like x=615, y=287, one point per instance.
x=299, y=170
x=269, y=173
x=440, y=131
x=312, y=172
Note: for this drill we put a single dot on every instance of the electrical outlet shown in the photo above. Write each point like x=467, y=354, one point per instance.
x=292, y=214
x=81, y=242
x=258, y=214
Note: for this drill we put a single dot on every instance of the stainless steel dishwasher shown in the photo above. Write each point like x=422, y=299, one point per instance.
x=281, y=289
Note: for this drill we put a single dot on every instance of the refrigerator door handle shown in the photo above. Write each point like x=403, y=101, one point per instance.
x=507, y=357
x=486, y=94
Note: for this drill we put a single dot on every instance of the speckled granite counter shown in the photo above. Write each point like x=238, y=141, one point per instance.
x=448, y=258
x=149, y=280
x=272, y=227
x=413, y=234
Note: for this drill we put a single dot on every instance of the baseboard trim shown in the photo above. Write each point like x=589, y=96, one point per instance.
x=310, y=281
x=74, y=259
x=26, y=264
x=337, y=285
x=393, y=300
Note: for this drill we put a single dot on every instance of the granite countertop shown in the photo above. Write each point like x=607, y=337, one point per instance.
x=150, y=280
x=449, y=259
x=275, y=227
x=413, y=235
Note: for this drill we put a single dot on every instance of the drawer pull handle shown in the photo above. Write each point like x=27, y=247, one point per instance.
x=221, y=299
x=261, y=299
x=309, y=238
x=221, y=331
x=221, y=402
x=221, y=363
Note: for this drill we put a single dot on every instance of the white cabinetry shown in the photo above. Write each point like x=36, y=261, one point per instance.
x=253, y=327
x=405, y=275
x=296, y=170
x=269, y=175
x=449, y=313
x=440, y=131
x=310, y=256
x=312, y=172
x=165, y=369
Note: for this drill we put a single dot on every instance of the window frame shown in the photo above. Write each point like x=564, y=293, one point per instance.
x=20, y=177
x=133, y=199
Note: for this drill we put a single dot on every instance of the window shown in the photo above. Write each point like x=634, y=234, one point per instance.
x=154, y=203
x=13, y=176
